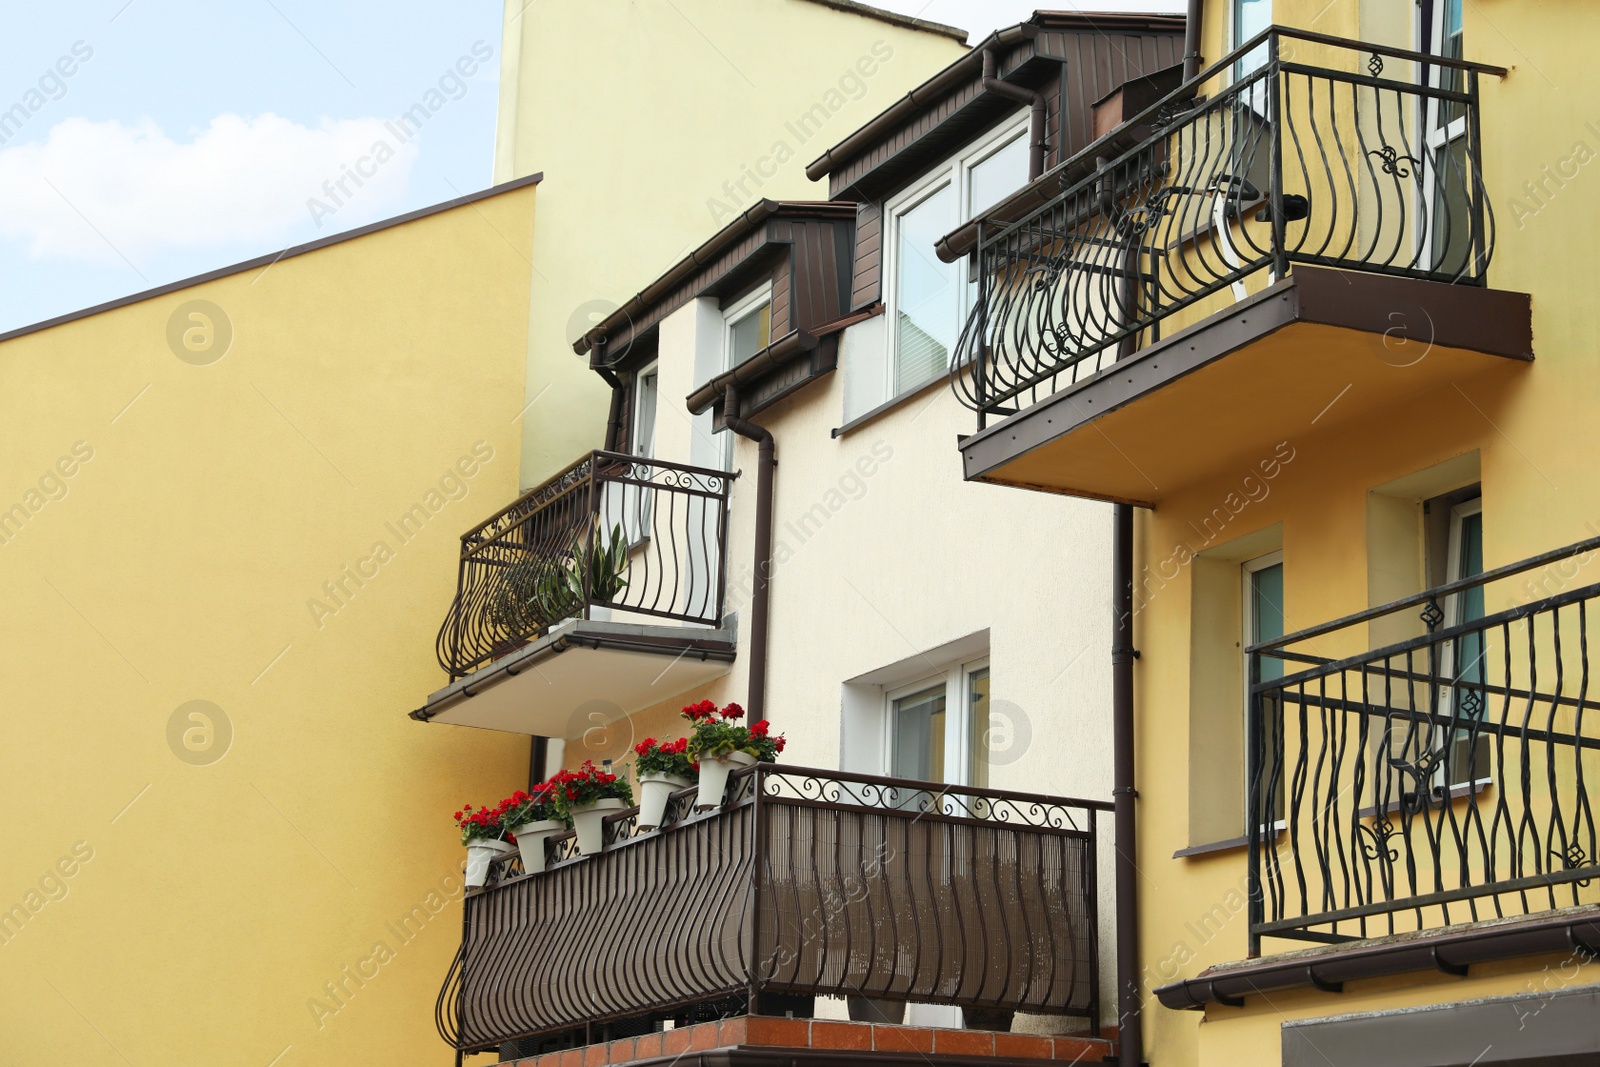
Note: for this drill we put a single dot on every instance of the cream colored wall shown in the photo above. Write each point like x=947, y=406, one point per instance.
x=210, y=903
x=909, y=558
x=654, y=123
x=1535, y=430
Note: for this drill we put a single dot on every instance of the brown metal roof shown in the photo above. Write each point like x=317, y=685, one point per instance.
x=667, y=287
x=968, y=68
x=894, y=18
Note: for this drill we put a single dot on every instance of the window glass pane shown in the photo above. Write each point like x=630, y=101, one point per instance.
x=1470, y=758
x=998, y=176
x=1265, y=593
x=1266, y=614
x=925, y=293
x=1452, y=208
x=919, y=736
x=644, y=430
x=750, y=334
x=1250, y=17
x=983, y=739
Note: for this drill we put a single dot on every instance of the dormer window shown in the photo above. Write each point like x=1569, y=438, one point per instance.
x=927, y=299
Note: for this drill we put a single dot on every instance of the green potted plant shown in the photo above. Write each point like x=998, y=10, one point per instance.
x=532, y=819
x=484, y=835
x=663, y=767
x=539, y=590
x=721, y=745
x=587, y=796
x=603, y=565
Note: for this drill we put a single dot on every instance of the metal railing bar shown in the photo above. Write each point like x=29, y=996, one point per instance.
x=1437, y=593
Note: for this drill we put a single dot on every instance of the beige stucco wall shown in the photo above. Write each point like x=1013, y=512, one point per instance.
x=1534, y=430
x=267, y=524
x=898, y=557
x=654, y=123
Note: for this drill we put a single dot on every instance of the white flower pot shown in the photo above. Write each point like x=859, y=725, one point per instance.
x=480, y=852
x=589, y=821
x=654, y=789
x=530, y=841
x=714, y=776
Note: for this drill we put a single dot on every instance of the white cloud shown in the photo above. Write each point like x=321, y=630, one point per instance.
x=237, y=180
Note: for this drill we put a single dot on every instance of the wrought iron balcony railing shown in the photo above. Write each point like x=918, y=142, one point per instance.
x=628, y=535
x=805, y=882
x=1319, y=150
x=1439, y=779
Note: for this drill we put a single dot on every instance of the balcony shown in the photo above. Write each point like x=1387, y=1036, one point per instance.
x=1424, y=804
x=1213, y=274
x=602, y=587
x=804, y=883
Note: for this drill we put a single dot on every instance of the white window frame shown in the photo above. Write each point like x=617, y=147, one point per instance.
x=654, y=368
x=1236, y=38
x=956, y=679
x=955, y=172
x=731, y=314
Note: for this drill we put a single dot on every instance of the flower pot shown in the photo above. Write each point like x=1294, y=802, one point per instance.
x=480, y=852
x=589, y=821
x=531, y=837
x=870, y=1010
x=654, y=789
x=714, y=776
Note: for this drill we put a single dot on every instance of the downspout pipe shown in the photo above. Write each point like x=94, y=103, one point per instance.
x=1036, y=144
x=1191, y=39
x=1130, y=1034
x=619, y=393
x=766, y=463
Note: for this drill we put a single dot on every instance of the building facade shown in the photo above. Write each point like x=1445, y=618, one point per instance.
x=657, y=123
x=231, y=510
x=1325, y=359
x=776, y=464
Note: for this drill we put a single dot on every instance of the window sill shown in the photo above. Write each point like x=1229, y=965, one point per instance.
x=888, y=406
x=1228, y=845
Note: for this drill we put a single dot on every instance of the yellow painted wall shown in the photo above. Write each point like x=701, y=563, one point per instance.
x=1535, y=430
x=214, y=890
x=654, y=123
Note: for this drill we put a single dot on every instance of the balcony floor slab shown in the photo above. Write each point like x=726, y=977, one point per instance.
x=1316, y=348
x=582, y=667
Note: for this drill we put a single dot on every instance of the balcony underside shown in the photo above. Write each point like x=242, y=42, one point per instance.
x=1566, y=932
x=579, y=669
x=1319, y=347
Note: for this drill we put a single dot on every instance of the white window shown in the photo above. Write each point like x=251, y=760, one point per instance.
x=749, y=327
x=630, y=505
x=643, y=438
x=1250, y=17
x=938, y=727
x=927, y=300
x=746, y=330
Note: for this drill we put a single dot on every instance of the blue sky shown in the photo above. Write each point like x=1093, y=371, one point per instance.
x=146, y=141
x=194, y=134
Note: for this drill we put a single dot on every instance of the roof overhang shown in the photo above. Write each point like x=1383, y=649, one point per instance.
x=679, y=283
x=579, y=668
